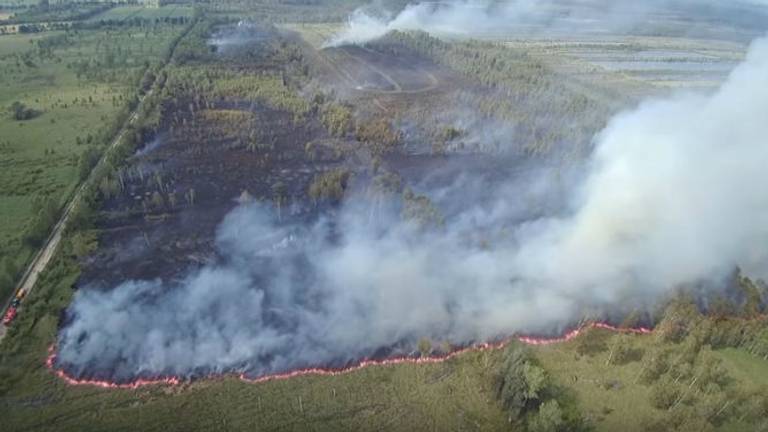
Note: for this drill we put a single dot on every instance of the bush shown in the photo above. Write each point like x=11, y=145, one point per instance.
x=19, y=111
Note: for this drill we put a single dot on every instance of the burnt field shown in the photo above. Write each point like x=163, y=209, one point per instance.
x=178, y=189
x=262, y=219
x=377, y=72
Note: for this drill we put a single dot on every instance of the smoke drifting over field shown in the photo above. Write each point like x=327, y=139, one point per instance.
x=471, y=18
x=674, y=195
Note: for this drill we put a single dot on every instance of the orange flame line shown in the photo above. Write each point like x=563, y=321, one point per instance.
x=173, y=380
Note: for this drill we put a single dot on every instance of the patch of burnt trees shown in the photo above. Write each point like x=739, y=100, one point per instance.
x=103, y=180
x=330, y=185
x=521, y=89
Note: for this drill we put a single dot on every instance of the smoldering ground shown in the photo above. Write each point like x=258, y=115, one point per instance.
x=673, y=196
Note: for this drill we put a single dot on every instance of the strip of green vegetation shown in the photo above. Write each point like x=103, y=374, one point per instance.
x=125, y=13
x=67, y=93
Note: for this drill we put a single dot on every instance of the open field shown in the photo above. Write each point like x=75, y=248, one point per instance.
x=73, y=106
x=656, y=63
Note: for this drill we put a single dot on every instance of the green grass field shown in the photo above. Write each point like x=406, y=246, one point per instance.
x=39, y=156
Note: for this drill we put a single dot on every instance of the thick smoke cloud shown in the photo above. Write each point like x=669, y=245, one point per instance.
x=674, y=195
x=473, y=18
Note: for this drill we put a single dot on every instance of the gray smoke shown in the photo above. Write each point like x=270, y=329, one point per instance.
x=476, y=18
x=673, y=195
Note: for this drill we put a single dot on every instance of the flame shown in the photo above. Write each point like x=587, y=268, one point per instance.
x=172, y=380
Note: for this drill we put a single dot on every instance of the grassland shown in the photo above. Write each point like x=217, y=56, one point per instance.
x=76, y=83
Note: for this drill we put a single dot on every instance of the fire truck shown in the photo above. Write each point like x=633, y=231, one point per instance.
x=12, y=311
x=10, y=314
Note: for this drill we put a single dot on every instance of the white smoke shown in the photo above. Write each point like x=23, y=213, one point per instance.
x=473, y=18
x=674, y=195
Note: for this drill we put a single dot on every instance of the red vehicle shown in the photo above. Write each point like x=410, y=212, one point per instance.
x=9, y=315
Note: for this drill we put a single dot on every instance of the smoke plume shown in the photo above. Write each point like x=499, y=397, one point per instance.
x=474, y=18
x=673, y=195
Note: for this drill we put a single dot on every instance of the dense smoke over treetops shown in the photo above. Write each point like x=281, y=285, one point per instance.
x=674, y=195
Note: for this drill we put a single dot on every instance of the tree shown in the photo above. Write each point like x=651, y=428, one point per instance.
x=337, y=119
x=752, y=405
x=664, y=393
x=548, y=419
x=420, y=210
x=535, y=379
x=88, y=159
x=330, y=185
x=379, y=135
x=752, y=302
x=82, y=244
x=655, y=364
x=711, y=370
x=680, y=316
x=520, y=382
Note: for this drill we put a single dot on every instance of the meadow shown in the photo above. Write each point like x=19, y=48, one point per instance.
x=72, y=85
